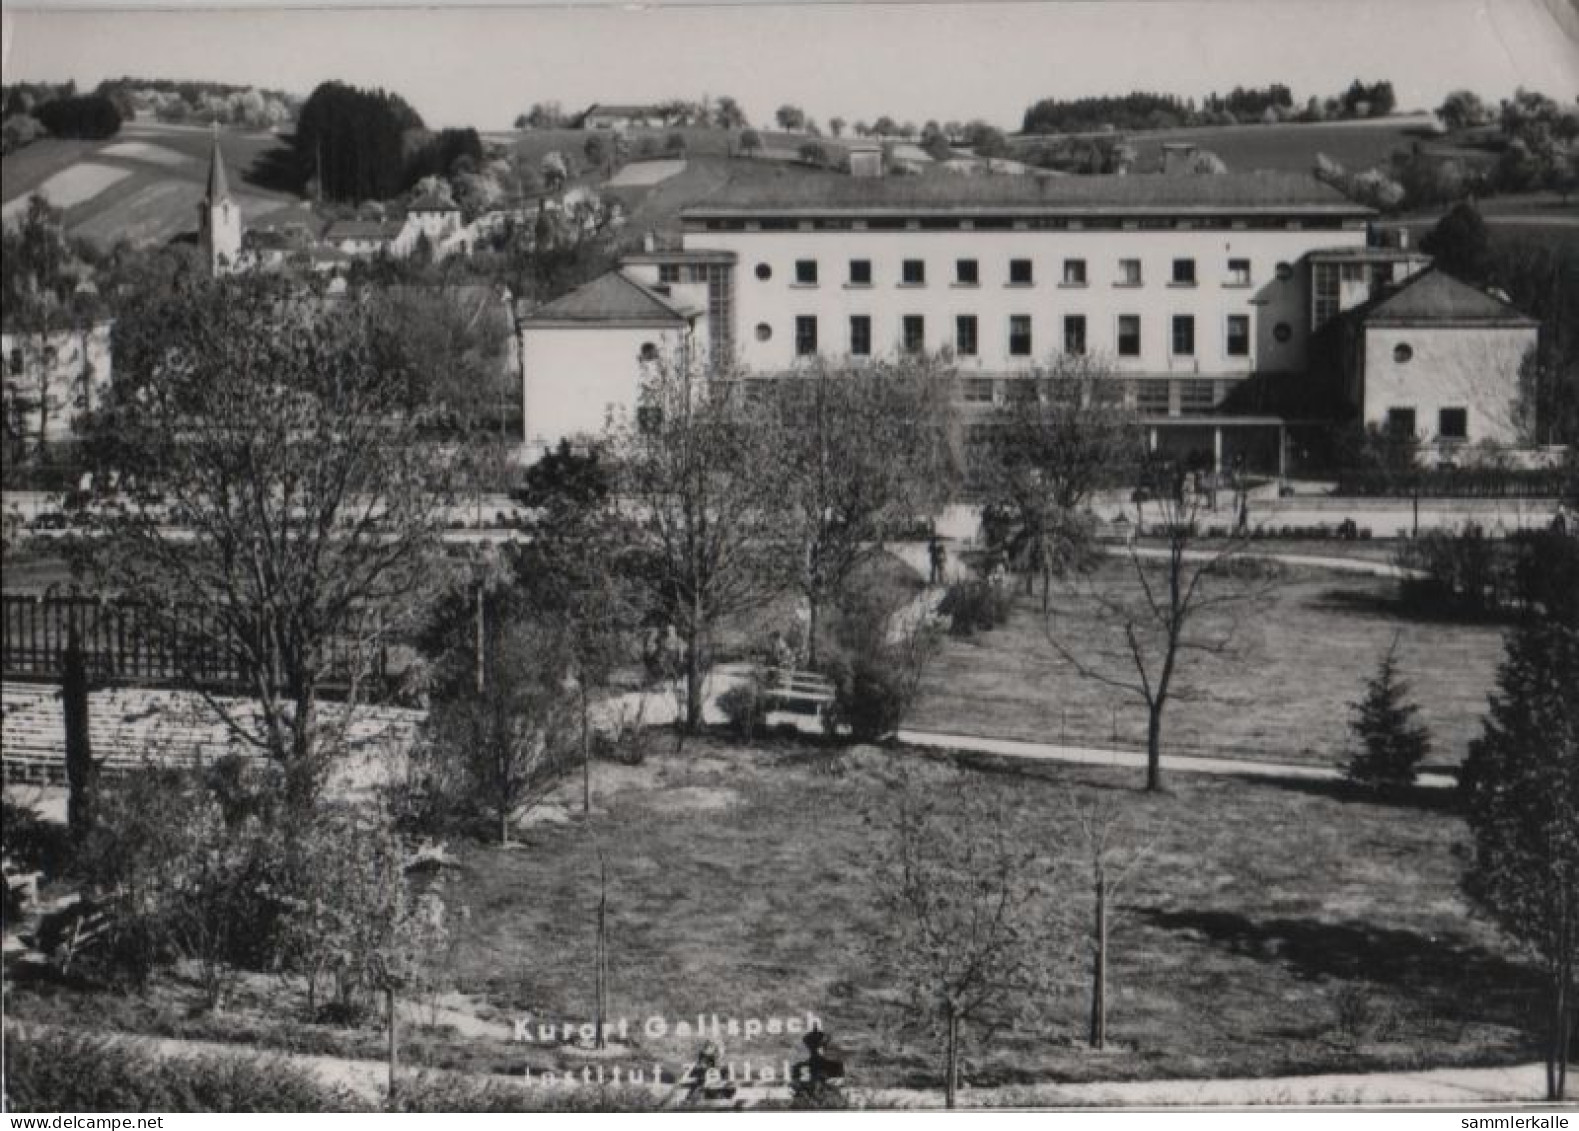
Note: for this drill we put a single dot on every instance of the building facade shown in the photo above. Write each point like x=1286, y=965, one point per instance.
x=1205, y=295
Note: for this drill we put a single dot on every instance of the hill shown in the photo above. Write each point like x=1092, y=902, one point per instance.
x=1285, y=146
x=145, y=183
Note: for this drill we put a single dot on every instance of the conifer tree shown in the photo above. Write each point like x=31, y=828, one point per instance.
x=1388, y=744
x=1520, y=788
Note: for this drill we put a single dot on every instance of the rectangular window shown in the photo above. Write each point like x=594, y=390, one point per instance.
x=1020, y=272
x=1183, y=335
x=1239, y=272
x=915, y=333
x=1325, y=286
x=668, y=272
x=1129, y=273
x=978, y=390
x=806, y=272
x=805, y=334
x=1019, y=335
x=1184, y=272
x=1151, y=398
x=1129, y=335
x=966, y=273
x=1401, y=425
x=914, y=272
x=860, y=272
x=860, y=335
x=1075, y=333
x=1197, y=398
x=1074, y=272
x=1238, y=335
x=1453, y=424
x=965, y=335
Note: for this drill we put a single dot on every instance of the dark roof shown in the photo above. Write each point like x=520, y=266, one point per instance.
x=432, y=202
x=1432, y=297
x=623, y=111
x=1110, y=194
x=360, y=230
x=1369, y=254
x=681, y=255
x=218, y=183
x=609, y=298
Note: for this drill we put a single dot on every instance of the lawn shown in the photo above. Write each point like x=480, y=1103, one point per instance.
x=1304, y=655
x=738, y=885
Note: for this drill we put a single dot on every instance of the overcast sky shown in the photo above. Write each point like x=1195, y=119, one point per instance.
x=483, y=65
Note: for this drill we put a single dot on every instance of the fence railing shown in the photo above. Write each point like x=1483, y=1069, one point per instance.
x=124, y=642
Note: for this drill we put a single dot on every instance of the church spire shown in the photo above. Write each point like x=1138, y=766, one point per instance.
x=218, y=183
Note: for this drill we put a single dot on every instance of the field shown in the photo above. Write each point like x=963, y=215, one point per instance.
x=1276, y=930
x=1304, y=656
x=1284, y=147
x=151, y=183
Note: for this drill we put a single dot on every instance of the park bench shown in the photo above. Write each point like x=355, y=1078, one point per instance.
x=797, y=692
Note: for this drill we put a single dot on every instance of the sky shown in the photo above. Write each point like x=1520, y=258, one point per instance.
x=483, y=65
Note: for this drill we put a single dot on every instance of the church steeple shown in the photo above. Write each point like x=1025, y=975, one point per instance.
x=219, y=219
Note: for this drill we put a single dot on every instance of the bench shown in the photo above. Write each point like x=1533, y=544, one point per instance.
x=797, y=692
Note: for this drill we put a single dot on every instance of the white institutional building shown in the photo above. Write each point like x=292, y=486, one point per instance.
x=1210, y=295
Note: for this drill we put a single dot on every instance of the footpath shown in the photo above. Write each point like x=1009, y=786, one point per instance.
x=1456, y=1088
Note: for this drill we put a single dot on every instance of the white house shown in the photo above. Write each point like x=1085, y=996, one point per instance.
x=1438, y=361
x=583, y=355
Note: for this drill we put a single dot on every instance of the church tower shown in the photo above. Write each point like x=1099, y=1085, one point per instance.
x=219, y=219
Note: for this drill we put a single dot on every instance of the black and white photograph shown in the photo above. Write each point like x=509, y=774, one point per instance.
x=690, y=556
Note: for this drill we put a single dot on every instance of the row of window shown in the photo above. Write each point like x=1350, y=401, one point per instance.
x=913, y=334
x=1022, y=273
x=1451, y=424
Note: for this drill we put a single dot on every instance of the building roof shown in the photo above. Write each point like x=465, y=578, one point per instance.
x=218, y=182
x=1432, y=297
x=1368, y=254
x=681, y=255
x=360, y=230
x=1138, y=194
x=432, y=202
x=612, y=297
x=618, y=110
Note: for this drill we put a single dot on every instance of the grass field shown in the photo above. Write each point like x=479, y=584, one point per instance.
x=738, y=885
x=160, y=173
x=1305, y=655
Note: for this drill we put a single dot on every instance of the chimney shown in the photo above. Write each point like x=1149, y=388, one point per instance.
x=649, y=241
x=1403, y=239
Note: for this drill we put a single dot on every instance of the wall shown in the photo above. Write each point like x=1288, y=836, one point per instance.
x=577, y=375
x=65, y=367
x=775, y=302
x=1472, y=367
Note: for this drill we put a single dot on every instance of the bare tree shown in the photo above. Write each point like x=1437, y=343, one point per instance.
x=1112, y=850
x=506, y=745
x=964, y=932
x=856, y=450
x=1061, y=434
x=281, y=501
x=689, y=464
x=1163, y=607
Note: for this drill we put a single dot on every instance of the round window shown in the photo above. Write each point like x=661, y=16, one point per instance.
x=1403, y=352
x=649, y=351
x=1285, y=272
x=764, y=271
x=1282, y=331
x=764, y=331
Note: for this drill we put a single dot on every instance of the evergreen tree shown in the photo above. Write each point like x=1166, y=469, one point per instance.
x=1520, y=788
x=1388, y=744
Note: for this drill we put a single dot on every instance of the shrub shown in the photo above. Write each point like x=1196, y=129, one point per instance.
x=870, y=696
x=1388, y=744
x=1465, y=571
x=62, y=1071
x=744, y=708
x=31, y=842
x=973, y=606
